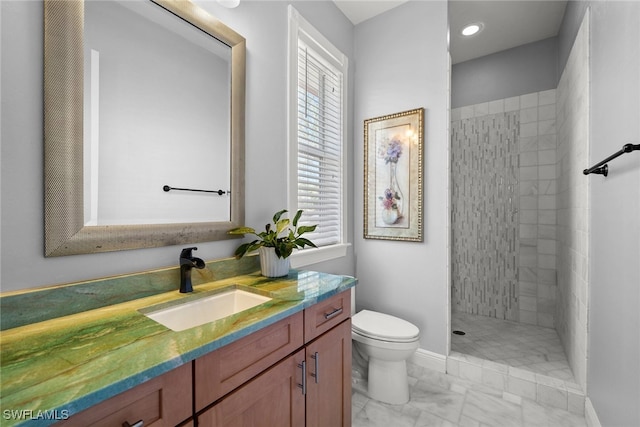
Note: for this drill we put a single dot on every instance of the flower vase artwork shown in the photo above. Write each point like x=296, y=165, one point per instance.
x=393, y=146
x=392, y=199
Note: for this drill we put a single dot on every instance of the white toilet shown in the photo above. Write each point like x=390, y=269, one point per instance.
x=385, y=343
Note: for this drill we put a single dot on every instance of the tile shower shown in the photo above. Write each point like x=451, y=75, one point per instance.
x=520, y=219
x=504, y=185
x=504, y=208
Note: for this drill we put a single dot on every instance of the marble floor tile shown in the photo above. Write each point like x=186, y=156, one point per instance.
x=529, y=347
x=490, y=410
x=441, y=400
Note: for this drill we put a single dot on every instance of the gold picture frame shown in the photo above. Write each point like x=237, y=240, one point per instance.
x=393, y=147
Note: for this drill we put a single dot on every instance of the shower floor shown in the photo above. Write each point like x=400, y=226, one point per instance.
x=523, y=346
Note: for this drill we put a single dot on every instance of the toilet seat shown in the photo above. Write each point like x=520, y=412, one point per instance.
x=380, y=326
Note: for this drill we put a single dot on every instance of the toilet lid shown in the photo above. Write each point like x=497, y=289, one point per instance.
x=383, y=326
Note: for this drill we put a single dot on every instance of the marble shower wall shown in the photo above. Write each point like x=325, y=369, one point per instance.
x=485, y=214
x=504, y=208
x=573, y=204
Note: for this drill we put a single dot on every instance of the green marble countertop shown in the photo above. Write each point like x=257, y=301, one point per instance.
x=70, y=363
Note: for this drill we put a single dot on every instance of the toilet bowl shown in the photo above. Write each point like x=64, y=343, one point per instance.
x=385, y=343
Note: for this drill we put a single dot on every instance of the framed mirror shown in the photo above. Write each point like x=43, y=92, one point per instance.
x=75, y=77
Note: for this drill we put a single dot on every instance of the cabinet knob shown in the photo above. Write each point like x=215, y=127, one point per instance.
x=138, y=423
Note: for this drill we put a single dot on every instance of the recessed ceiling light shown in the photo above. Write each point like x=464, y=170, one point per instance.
x=472, y=29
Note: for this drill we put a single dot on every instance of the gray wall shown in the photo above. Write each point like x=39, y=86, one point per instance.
x=573, y=14
x=264, y=24
x=513, y=72
x=613, y=371
x=401, y=59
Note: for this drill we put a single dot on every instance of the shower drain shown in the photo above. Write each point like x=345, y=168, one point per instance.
x=459, y=332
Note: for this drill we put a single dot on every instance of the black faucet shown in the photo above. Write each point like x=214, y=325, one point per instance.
x=187, y=262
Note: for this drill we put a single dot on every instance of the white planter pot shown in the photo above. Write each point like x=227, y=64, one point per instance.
x=271, y=265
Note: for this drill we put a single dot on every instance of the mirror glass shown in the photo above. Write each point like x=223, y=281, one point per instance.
x=156, y=113
x=141, y=97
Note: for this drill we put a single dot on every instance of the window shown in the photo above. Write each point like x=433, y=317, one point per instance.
x=317, y=76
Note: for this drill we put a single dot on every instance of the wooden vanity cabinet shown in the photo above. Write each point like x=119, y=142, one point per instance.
x=310, y=387
x=296, y=372
x=162, y=401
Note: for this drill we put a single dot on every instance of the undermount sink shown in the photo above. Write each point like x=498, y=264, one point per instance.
x=206, y=309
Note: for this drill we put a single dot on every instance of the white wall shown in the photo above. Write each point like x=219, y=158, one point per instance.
x=401, y=64
x=613, y=371
x=263, y=23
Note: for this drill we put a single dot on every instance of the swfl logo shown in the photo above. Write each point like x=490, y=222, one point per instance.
x=28, y=414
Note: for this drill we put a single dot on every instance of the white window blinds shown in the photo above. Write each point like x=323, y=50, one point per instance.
x=319, y=144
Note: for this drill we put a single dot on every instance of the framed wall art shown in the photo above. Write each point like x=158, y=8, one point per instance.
x=393, y=147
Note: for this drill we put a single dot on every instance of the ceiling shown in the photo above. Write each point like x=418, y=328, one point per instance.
x=507, y=24
x=360, y=10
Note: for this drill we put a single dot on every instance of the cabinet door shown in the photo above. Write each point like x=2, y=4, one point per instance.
x=274, y=398
x=227, y=368
x=329, y=378
x=161, y=401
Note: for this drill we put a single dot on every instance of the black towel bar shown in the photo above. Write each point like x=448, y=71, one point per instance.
x=602, y=168
x=219, y=192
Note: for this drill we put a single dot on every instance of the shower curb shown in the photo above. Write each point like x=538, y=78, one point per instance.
x=516, y=383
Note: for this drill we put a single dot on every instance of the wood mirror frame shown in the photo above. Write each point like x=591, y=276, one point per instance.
x=65, y=232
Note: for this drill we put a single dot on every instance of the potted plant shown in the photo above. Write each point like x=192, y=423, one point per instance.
x=275, y=243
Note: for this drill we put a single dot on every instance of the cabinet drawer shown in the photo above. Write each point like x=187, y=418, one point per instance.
x=321, y=317
x=161, y=401
x=223, y=370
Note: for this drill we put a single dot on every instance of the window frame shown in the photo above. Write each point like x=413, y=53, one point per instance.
x=300, y=28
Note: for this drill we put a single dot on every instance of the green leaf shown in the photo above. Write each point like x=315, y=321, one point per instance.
x=242, y=230
x=277, y=215
x=302, y=242
x=297, y=217
x=306, y=229
x=281, y=225
x=242, y=250
x=284, y=251
x=245, y=248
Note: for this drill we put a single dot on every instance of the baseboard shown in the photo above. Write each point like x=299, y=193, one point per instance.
x=430, y=360
x=590, y=414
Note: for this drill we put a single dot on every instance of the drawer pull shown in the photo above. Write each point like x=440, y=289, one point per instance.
x=334, y=313
x=316, y=358
x=303, y=386
x=138, y=423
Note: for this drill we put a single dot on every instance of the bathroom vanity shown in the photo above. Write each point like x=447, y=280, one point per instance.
x=285, y=362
